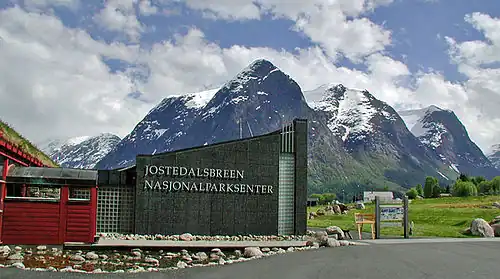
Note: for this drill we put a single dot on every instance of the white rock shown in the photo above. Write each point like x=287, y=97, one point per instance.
x=15, y=257
x=18, y=265
x=344, y=243
x=480, y=227
x=186, y=237
x=181, y=264
x=152, y=261
x=222, y=261
x=5, y=249
x=41, y=248
x=91, y=256
x=77, y=258
x=252, y=252
x=332, y=243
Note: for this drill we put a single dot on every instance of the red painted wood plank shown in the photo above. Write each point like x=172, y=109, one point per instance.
x=30, y=215
x=83, y=230
x=31, y=206
x=73, y=211
x=63, y=211
x=93, y=213
x=78, y=225
x=53, y=224
x=85, y=207
x=43, y=220
x=27, y=228
x=78, y=216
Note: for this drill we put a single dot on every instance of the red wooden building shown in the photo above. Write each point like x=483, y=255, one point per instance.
x=42, y=205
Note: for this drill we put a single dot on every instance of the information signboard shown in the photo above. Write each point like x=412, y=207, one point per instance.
x=391, y=213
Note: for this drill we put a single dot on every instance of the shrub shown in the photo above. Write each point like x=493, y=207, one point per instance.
x=430, y=183
x=412, y=193
x=464, y=189
x=420, y=190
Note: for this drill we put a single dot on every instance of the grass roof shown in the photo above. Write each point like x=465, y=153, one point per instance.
x=25, y=145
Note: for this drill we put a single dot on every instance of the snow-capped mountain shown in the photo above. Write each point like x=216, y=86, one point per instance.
x=374, y=134
x=158, y=130
x=356, y=142
x=442, y=132
x=80, y=152
x=494, y=155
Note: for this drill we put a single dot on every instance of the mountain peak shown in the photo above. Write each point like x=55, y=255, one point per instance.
x=261, y=64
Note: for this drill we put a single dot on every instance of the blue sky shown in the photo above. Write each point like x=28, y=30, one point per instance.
x=105, y=52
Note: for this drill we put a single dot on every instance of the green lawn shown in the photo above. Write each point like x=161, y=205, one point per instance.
x=442, y=217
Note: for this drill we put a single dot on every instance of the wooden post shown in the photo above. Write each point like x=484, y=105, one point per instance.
x=3, y=192
x=405, y=217
x=93, y=214
x=377, y=217
x=63, y=213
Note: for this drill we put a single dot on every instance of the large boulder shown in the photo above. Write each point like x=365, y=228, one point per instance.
x=496, y=229
x=332, y=243
x=480, y=227
x=250, y=252
x=495, y=220
x=496, y=204
x=334, y=230
x=336, y=209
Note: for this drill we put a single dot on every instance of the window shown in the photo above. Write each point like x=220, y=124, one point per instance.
x=79, y=194
x=33, y=191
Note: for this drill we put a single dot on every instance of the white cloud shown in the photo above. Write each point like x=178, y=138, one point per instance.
x=120, y=16
x=324, y=21
x=43, y=4
x=56, y=76
x=147, y=8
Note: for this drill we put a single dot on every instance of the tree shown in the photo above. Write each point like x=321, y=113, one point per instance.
x=478, y=179
x=412, y=193
x=386, y=188
x=319, y=197
x=430, y=183
x=495, y=185
x=329, y=197
x=464, y=177
x=420, y=190
x=436, y=191
x=464, y=189
x=485, y=187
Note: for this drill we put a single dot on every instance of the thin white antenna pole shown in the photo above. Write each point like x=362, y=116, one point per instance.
x=241, y=130
x=249, y=129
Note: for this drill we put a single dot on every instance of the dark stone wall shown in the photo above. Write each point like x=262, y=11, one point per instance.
x=221, y=213
x=300, y=141
x=159, y=211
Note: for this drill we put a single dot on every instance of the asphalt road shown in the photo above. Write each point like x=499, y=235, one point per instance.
x=410, y=261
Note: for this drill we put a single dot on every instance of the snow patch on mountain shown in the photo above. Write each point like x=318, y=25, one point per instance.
x=430, y=133
x=350, y=111
x=81, y=152
x=494, y=155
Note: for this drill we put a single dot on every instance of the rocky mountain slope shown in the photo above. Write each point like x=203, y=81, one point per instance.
x=356, y=142
x=80, y=152
x=494, y=156
x=443, y=133
x=374, y=135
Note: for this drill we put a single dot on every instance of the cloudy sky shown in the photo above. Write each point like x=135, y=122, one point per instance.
x=82, y=67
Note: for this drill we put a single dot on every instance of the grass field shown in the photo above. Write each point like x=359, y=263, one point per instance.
x=441, y=217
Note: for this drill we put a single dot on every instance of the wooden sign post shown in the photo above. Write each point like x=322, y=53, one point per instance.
x=391, y=214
